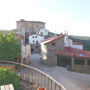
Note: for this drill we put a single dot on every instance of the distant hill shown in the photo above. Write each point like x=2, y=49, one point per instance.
x=79, y=37
x=84, y=39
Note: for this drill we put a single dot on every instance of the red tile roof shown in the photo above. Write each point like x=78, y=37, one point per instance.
x=69, y=51
x=52, y=39
x=48, y=39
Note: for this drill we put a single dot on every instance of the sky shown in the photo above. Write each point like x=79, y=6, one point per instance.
x=72, y=16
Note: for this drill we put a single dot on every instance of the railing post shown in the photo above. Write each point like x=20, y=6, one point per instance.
x=23, y=75
x=41, y=79
x=55, y=85
x=59, y=87
x=38, y=77
x=45, y=82
x=35, y=77
x=48, y=84
x=28, y=77
x=32, y=75
x=51, y=84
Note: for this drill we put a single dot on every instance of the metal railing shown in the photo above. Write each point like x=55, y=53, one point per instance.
x=35, y=76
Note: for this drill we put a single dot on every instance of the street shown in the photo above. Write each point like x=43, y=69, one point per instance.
x=70, y=80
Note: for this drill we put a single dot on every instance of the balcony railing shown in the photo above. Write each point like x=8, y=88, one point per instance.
x=35, y=76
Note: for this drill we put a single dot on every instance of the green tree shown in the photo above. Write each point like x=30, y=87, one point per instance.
x=10, y=48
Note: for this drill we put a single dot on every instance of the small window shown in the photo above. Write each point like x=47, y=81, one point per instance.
x=79, y=61
x=53, y=44
x=36, y=42
x=33, y=41
x=41, y=33
x=88, y=62
x=35, y=36
x=32, y=36
x=36, y=46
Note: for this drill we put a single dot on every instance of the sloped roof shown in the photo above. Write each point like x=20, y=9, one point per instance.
x=52, y=39
x=74, y=52
x=69, y=51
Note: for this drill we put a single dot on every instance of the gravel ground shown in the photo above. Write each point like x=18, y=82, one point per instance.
x=70, y=80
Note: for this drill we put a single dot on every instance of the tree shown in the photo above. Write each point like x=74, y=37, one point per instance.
x=10, y=48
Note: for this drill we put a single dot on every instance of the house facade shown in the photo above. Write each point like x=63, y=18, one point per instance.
x=73, y=44
x=35, y=39
x=57, y=43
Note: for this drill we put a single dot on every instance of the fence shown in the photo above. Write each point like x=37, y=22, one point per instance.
x=35, y=76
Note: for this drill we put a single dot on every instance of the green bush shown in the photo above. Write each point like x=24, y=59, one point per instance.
x=9, y=77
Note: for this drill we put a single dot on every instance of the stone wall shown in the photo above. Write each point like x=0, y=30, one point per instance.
x=59, y=44
x=51, y=59
x=81, y=68
x=25, y=54
x=30, y=26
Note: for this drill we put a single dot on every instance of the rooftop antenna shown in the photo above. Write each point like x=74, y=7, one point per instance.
x=65, y=31
x=55, y=32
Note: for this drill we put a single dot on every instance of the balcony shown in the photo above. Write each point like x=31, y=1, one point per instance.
x=32, y=78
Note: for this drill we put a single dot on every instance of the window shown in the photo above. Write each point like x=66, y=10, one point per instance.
x=36, y=46
x=88, y=63
x=79, y=61
x=37, y=26
x=33, y=41
x=41, y=33
x=36, y=42
x=53, y=44
x=35, y=36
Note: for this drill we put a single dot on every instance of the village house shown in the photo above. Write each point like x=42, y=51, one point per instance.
x=72, y=43
x=37, y=38
x=57, y=43
x=34, y=41
x=54, y=52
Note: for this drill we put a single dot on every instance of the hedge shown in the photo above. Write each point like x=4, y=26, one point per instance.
x=9, y=77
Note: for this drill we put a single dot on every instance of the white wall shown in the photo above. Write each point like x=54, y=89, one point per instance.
x=35, y=38
x=68, y=42
x=44, y=31
x=77, y=46
x=43, y=51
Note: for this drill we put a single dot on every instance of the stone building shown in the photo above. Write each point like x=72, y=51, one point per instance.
x=75, y=59
x=25, y=53
x=31, y=27
x=57, y=43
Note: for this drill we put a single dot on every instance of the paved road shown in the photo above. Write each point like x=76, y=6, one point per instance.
x=71, y=80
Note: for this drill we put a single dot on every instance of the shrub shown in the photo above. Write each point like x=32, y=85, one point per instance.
x=9, y=77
